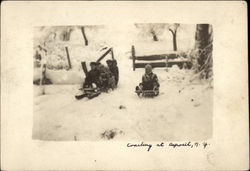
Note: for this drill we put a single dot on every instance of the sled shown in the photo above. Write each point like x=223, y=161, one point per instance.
x=94, y=92
x=147, y=93
x=90, y=93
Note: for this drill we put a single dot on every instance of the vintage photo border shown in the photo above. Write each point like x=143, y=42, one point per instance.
x=229, y=146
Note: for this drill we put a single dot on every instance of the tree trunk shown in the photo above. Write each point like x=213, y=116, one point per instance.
x=174, y=42
x=68, y=57
x=202, y=35
x=203, y=44
x=155, y=38
x=174, y=33
x=201, y=41
x=84, y=36
x=65, y=35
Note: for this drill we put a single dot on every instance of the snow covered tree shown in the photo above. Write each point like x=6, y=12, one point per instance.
x=66, y=34
x=155, y=38
x=151, y=29
x=173, y=29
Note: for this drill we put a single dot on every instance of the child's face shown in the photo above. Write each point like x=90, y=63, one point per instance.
x=148, y=70
x=93, y=67
x=109, y=64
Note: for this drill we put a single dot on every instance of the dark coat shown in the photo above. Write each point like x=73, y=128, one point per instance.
x=112, y=64
x=92, y=77
x=149, y=81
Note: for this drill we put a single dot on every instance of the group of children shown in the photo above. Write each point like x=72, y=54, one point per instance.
x=105, y=78
x=102, y=77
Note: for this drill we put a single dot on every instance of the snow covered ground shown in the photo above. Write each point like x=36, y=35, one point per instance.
x=182, y=111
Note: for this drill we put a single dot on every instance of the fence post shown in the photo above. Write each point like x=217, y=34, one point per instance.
x=167, y=63
x=133, y=56
x=112, y=53
x=43, y=77
x=84, y=68
x=67, y=52
x=109, y=50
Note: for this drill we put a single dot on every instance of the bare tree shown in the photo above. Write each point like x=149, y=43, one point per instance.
x=173, y=30
x=84, y=36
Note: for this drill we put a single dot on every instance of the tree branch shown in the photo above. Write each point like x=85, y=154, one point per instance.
x=171, y=31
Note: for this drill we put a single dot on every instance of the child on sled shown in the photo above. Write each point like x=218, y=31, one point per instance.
x=149, y=85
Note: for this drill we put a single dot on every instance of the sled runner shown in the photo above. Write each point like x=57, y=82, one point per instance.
x=146, y=93
x=90, y=93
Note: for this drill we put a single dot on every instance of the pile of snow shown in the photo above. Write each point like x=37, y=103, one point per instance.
x=61, y=76
x=178, y=59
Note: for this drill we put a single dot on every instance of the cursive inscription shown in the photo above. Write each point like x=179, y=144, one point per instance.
x=142, y=144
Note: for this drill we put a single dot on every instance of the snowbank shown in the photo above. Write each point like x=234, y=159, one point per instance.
x=61, y=76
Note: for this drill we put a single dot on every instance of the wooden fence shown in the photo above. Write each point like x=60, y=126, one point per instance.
x=159, y=60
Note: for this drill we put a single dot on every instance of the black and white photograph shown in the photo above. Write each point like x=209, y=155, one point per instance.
x=143, y=81
x=124, y=85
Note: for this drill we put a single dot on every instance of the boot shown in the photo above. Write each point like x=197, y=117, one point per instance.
x=138, y=90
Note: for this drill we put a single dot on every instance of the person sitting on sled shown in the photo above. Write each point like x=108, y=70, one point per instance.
x=112, y=64
x=107, y=80
x=149, y=81
x=93, y=76
x=99, y=79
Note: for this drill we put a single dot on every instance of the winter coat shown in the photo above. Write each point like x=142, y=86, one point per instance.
x=92, y=77
x=149, y=81
x=106, y=78
x=112, y=64
x=114, y=70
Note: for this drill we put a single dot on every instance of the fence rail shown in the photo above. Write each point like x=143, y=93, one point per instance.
x=168, y=60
